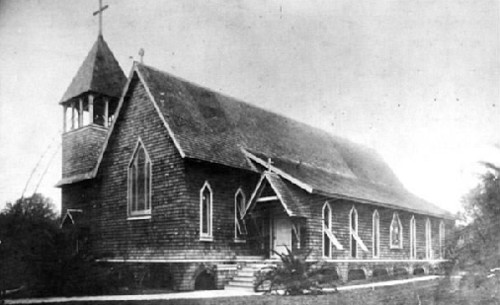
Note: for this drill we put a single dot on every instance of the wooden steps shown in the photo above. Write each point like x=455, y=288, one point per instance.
x=245, y=277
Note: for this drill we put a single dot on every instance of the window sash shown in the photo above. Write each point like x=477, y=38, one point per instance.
x=428, y=239
x=239, y=212
x=206, y=213
x=396, y=232
x=353, y=228
x=139, y=183
x=206, y=206
x=376, y=234
x=442, y=231
x=328, y=241
x=413, y=238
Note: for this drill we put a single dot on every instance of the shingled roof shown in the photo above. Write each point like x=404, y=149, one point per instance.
x=99, y=73
x=212, y=127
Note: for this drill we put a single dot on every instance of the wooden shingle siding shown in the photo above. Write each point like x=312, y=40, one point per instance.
x=80, y=149
x=340, y=224
x=172, y=232
x=164, y=231
x=224, y=182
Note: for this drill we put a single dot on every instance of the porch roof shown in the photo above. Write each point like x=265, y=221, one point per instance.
x=293, y=200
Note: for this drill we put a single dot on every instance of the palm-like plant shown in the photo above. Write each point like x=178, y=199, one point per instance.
x=293, y=276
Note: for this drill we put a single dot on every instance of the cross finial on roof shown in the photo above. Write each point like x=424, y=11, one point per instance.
x=269, y=163
x=141, y=54
x=99, y=12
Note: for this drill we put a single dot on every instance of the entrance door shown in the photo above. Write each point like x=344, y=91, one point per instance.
x=282, y=235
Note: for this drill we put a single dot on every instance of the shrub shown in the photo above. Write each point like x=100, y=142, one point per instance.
x=37, y=258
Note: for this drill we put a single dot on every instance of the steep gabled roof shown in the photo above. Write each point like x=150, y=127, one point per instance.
x=212, y=127
x=209, y=126
x=99, y=73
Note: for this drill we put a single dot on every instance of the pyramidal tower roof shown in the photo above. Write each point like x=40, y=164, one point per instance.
x=99, y=73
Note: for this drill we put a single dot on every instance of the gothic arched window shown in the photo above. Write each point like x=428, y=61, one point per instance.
x=206, y=212
x=396, y=232
x=428, y=239
x=239, y=212
x=376, y=234
x=442, y=239
x=327, y=226
x=139, y=182
x=413, y=238
x=353, y=226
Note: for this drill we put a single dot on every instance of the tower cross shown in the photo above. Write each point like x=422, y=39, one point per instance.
x=99, y=12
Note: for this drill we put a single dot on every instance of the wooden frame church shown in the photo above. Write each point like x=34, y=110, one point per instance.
x=177, y=183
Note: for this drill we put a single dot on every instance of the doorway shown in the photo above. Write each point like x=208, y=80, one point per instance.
x=281, y=235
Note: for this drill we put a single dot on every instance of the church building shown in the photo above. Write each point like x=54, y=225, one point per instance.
x=180, y=185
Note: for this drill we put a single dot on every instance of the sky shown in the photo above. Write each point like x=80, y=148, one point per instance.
x=418, y=81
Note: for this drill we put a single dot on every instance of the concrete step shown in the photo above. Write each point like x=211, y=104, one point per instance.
x=240, y=284
x=245, y=277
x=229, y=287
x=247, y=272
x=250, y=258
x=240, y=278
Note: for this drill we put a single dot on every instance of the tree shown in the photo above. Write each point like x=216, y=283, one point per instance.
x=28, y=235
x=37, y=255
x=479, y=246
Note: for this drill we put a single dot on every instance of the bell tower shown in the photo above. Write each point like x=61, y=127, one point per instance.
x=89, y=106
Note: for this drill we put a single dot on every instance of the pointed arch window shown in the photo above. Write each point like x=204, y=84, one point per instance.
x=355, y=240
x=327, y=227
x=206, y=205
x=329, y=238
x=239, y=212
x=428, y=239
x=353, y=225
x=442, y=239
x=376, y=234
x=413, y=238
x=139, y=182
x=396, y=232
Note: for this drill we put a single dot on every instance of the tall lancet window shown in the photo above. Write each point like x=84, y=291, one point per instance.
x=239, y=213
x=428, y=239
x=442, y=239
x=327, y=227
x=376, y=234
x=206, y=212
x=139, y=182
x=413, y=238
x=396, y=232
x=353, y=226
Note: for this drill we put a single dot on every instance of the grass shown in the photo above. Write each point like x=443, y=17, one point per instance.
x=403, y=294
x=435, y=292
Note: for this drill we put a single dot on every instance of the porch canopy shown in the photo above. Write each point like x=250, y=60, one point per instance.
x=293, y=199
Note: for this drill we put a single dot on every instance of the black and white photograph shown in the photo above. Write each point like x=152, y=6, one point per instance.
x=249, y=152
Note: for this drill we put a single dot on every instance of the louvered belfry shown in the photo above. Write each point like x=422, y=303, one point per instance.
x=89, y=105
